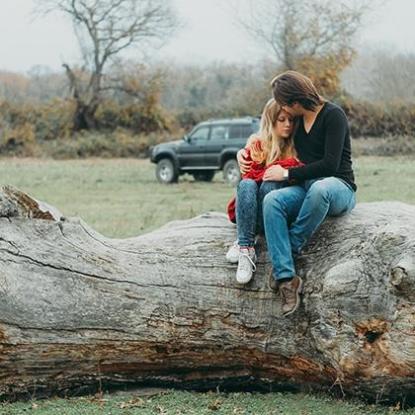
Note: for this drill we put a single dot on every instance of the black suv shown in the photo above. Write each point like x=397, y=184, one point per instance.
x=211, y=146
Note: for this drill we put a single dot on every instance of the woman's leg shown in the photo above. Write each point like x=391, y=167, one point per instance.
x=246, y=212
x=263, y=190
x=246, y=217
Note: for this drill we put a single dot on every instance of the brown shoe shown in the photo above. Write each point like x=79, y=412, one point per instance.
x=290, y=294
x=272, y=282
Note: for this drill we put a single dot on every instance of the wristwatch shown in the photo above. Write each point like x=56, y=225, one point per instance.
x=286, y=174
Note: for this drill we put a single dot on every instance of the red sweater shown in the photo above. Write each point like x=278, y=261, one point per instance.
x=256, y=172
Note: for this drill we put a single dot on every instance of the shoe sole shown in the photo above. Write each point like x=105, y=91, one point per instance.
x=299, y=292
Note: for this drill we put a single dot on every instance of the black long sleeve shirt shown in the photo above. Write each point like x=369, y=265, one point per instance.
x=325, y=149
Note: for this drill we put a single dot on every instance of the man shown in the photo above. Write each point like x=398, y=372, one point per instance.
x=324, y=186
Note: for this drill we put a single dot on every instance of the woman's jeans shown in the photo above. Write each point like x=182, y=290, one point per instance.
x=249, y=198
x=292, y=214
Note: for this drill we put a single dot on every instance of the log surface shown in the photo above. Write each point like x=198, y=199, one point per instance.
x=78, y=309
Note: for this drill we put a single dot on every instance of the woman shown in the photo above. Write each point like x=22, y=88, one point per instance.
x=273, y=145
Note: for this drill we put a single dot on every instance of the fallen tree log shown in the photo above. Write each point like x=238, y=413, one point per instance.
x=78, y=310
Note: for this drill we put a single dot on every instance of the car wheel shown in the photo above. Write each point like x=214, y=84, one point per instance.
x=204, y=176
x=166, y=172
x=231, y=172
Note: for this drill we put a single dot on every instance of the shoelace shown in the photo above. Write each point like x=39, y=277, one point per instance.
x=233, y=250
x=246, y=254
x=287, y=292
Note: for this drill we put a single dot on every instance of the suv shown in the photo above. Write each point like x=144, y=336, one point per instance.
x=211, y=146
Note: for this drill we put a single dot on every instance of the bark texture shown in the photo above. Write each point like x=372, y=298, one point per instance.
x=79, y=310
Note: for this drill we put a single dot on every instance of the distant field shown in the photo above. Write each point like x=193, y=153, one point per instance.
x=121, y=197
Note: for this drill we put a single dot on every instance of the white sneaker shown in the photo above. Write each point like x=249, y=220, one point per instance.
x=232, y=255
x=246, y=265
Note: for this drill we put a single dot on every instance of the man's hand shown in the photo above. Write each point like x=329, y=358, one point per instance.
x=244, y=165
x=274, y=173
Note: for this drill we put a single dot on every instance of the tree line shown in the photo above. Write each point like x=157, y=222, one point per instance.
x=106, y=93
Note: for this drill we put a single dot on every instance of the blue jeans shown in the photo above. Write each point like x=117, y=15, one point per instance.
x=292, y=214
x=249, y=198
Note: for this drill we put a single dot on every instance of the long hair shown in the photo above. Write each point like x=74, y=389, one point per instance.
x=272, y=147
x=292, y=86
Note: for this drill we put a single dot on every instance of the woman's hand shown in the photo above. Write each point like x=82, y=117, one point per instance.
x=244, y=165
x=274, y=173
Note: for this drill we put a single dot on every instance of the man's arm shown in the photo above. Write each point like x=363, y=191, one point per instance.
x=245, y=165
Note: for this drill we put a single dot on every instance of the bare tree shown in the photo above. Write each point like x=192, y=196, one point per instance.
x=104, y=29
x=297, y=29
x=382, y=75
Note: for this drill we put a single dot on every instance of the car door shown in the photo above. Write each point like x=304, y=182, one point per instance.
x=215, y=145
x=191, y=152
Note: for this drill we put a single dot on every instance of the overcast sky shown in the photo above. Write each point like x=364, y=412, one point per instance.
x=209, y=34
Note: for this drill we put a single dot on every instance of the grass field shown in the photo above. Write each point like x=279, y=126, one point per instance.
x=121, y=198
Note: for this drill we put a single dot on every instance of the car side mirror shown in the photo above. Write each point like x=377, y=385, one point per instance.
x=187, y=138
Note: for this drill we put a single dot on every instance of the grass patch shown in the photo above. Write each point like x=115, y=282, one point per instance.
x=121, y=197
x=183, y=402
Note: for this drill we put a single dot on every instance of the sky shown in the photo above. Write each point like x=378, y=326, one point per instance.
x=209, y=34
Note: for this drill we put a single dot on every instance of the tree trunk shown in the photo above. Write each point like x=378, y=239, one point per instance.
x=78, y=310
x=85, y=109
x=84, y=116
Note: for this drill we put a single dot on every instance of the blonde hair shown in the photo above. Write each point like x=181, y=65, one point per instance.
x=273, y=147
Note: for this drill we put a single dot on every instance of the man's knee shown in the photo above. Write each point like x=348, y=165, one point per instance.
x=273, y=200
x=320, y=191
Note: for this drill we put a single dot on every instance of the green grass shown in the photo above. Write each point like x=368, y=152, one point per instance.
x=122, y=198
x=385, y=178
x=181, y=402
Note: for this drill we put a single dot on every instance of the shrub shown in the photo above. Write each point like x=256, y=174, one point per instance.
x=120, y=143
x=379, y=120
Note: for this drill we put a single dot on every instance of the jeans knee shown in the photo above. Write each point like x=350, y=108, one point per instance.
x=319, y=191
x=265, y=188
x=271, y=201
x=247, y=185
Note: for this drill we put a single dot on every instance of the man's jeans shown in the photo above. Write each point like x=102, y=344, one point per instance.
x=304, y=207
x=249, y=198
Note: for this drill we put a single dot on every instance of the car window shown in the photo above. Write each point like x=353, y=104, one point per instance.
x=201, y=133
x=219, y=132
x=241, y=130
x=235, y=131
x=255, y=126
x=247, y=130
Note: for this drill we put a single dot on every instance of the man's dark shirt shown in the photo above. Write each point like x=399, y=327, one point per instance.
x=326, y=149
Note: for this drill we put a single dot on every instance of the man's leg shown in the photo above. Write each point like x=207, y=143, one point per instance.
x=263, y=190
x=280, y=208
x=328, y=196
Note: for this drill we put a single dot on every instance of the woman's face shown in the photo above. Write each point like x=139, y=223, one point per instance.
x=284, y=125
